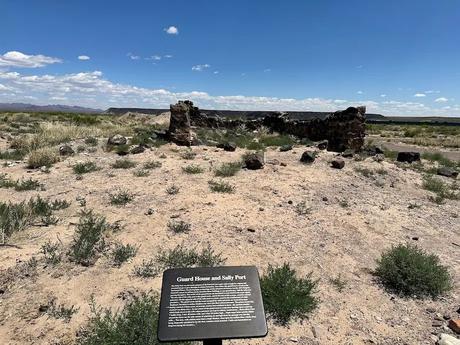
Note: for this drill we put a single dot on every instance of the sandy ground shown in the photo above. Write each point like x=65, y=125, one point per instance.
x=331, y=240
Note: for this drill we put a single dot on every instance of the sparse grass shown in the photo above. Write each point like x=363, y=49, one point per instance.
x=438, y=157
x=369, y=172
x=172, y=190
x=287, y=297
x=409, y=271
x=188, y=154
x=179, y=227
x=124, y=163
x=442, y=190
x=151, y=165
x=392, y=155
x=135, y=324
x=60, y=311
x=147, y=269
x=19, y=185
x=183, y=257
x=338, y=283
x=193, y=169
x=12, y=155
x=91, y=141
x=228, y=169
x=53, y=252
x=121, y=198
x=141, y=173
x=89, y=238
x=122, y=253
x=221, y=187
x=42, y=157
x=84, y=167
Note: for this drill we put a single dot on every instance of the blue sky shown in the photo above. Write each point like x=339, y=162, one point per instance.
x=395, y=57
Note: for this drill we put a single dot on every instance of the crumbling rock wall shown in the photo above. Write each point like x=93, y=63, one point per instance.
x=342, y=129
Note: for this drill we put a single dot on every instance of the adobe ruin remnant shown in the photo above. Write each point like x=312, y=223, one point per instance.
x=342, y=129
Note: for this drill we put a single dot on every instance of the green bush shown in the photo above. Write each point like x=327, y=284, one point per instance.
x=60, y=311
x=148, y=269
x=19, y=185
x=179, y=226
x=124, y=164
x=408, y=270
x=89, y=238
x=192, y=169
x=188, y=154
x=141, y=173
x=183, y=257
x=228, y=169
x=122, y=253
x=151, y=165
x=135, y=324
x=172, y=190
x=121, y=198
x=52, y=252
x=13, y=155
x=286, y=296
x=441, y=189
x=91, y=141
x=84, y=168
x=221, y=186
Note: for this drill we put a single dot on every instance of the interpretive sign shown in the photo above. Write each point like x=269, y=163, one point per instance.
x=211, y=303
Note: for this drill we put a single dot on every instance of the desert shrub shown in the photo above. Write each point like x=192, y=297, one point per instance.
x=124, y=164
x=19, y=185
x=151, y=165
x=192, y=169
x=84, y=167
x=60, y=311
x=141, y=173
x=81, y=148
x=302, y=208
x=276, y=140
x=286, y=296
x=53, y=252
x=183, y=257
x=179, y=227
x=42, y=157
x=122, y=253
x=89, y=238
x=91, y=141
x=172, y=189
x=13, y=155
x=390, y=154
x=148, y=269
x=408, y=270
x=221, y=186
x=188, y=154
x=228, y=169
x=135, y=324
x=121, y=198
x=441, y=189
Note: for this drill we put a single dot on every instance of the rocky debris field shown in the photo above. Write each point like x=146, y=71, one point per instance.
x=323, y=214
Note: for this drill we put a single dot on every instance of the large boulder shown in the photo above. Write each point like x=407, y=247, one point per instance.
x=254, y=161
x=180, y=130
x=408, y=157
x=227, y=146
x=66, y=150
x=338, y=163
x=117, y=140
x=346, y=129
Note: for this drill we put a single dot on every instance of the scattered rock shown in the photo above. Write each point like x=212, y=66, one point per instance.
x=408, y=157
x=149, y=212
x=66, y=150
x=254, y=161
x=43, y=308
x=137, y=149
x=379, y=157
x=283, y=164
x=251, y=230
x=273, y=162
x=322, y=145
x=455, y=325
x=228, y=146
x=117, y=140
x=338, y=163
x=285, y=148
x=348, y=153
x=448, y=172
x=307, y=157
x=446, y=339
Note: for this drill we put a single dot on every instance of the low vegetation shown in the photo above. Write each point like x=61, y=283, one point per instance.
x=441, y=189
x=151, y=165
x=53, y=252
x=409, y=271
x=124, y=163
x=19, y=185
x=121, y=198
x=181, y=256
x=228, y=169
x=42, y=157
x=172, y=190
x=84, y=167
x=221, y=186
x=179, y=227
x=122, y=253
x=60, y=311
x=192, y=169
x=287, y=297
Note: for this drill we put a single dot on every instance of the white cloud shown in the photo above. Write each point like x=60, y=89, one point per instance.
x=200, y=68
x=3, y=88
x=18, y=59
x=432, y=91
x=216, y=72
x=383, y=95
x=419, y=95
x=93, y=90
x=172, y=30
x=441, y=100
x=167, y=56
x=359, y=92
x=83, y=57
x=133, y=57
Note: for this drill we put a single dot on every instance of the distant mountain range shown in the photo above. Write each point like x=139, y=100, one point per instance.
x=47, y=108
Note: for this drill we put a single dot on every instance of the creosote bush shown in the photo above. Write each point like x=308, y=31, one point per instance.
x=84, y=167
x=228, y=169
x=179, y=227
x=286, y=296
x=183, y=257
x=141, y=173
x=135, y=324
x=121, y=198
x=221, y=187
x=53, y=252
x=151, y=165
x=122, y=253
x=192, y=169
x=124, y=163
x=409, y=271
x=148, y=269
x=19, y=185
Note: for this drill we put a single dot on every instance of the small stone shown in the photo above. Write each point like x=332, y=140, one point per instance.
x=379, y=157
x=448, y=172
x=290, y=202
x=408, y=157
x=338, y=163
x=307, y=157
x=437, y=323
x=261, y=209
x=116, y=140
x=446, y=317
x=66, y=150
x=254, y=161
x=322, y=145
x=137, y=149
x=415, y=238
x=251, y=230
x=150, y=211
x=294, y=340
x=325, y=198
x=43, y=308
x=285, y=148
x=446, y=339
x=348, y=153
x=455, y=325
x=228, y=146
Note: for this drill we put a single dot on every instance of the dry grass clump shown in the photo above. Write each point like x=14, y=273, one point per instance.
x=44, y=156
x=124, y=163
x=228, y=169
x=221, y=187
x=192, y=169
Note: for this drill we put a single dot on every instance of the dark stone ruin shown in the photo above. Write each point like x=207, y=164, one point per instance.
x=342, y=130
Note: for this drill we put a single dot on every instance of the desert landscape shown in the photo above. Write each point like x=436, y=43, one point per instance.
x=95, y=207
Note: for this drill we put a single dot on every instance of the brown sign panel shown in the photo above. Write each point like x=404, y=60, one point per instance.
x=211, y=303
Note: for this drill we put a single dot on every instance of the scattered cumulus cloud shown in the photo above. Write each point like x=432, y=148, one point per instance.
x=200, y=68
x=383, y=95
x=441, y=100
x=359, y=92
x=133, y=57
x=83, y=57
x=172, y=30
x=216, y=72
x=419, y=95
x=167, y=56
x=18, y=59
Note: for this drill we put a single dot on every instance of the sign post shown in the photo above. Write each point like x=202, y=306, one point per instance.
x=211, y=304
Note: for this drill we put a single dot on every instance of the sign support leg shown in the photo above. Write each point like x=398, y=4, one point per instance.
x=212, y=342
